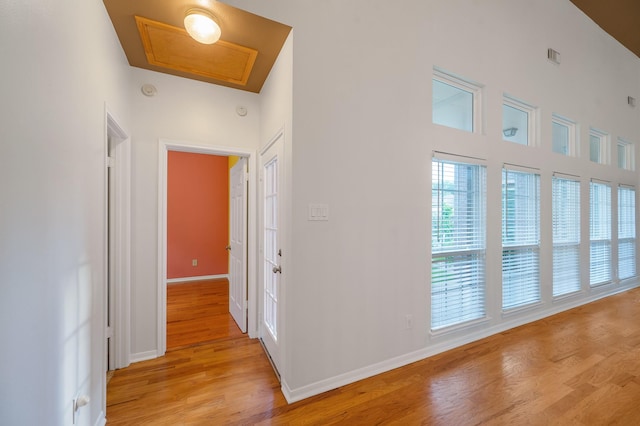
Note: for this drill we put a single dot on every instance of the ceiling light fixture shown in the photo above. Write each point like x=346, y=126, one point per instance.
x=201, y=26
x=510, y=132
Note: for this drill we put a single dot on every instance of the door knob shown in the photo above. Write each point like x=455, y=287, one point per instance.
x=277, y=269
x=228, y=248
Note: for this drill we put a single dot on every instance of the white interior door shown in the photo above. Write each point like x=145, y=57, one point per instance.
x=271, y=254
x=237, y=243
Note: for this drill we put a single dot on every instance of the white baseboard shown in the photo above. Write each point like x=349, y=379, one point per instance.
x=312, y=389
x=200, y=278
x=294, y=395
x=143, y=356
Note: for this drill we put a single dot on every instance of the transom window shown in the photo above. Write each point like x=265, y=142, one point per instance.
x=598, y=146
x=563, y=136
x=626, y=154
x=455, y=102
x=518, y=121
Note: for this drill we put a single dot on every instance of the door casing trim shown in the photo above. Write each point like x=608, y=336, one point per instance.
x=121, y=281
x=166, y=145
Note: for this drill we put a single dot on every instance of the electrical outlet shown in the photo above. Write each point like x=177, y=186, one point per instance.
x=194, y=262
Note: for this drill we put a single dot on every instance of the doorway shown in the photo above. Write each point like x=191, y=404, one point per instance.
x=206, y=248
x=250, y=261
x=118, y=244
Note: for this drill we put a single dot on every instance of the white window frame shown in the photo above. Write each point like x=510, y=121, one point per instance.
x=628, y=148
x=560, y=288
x=468, y=86
x=622, y=238
x=526, y=246
x=594, y=241
x=477, y=248
x=604, y=148
x=572, y=144
x=532, y=118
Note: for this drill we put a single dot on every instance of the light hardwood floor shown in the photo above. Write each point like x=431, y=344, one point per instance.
x=580, y=367
x=198, y=312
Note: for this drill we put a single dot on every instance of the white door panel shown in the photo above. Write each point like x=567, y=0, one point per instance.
x=271, y=255
x=237, y=243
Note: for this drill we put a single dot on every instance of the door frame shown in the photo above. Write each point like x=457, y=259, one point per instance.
x=166, y=145
x=117, y=295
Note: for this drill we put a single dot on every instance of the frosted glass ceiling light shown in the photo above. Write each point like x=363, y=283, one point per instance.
x=201, y=26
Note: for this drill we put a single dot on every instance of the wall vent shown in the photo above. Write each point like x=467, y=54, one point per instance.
x=553, y=56
x=631, y=101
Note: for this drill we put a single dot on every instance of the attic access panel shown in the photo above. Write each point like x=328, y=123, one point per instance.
x=171, y=47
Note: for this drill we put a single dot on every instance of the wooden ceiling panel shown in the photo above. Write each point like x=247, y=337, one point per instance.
x=171, y=47
x=156, y=40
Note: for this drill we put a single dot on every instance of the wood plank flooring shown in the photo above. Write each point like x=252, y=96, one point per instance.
x=580, y=367
x=198, y=312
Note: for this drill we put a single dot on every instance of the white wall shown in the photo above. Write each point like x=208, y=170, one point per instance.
x=183, y=110
x=61, y=62
x=276, y=96
x=362, y=140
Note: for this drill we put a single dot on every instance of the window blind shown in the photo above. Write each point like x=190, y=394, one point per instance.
x=458, y=243
x=566, y=236
x=626, y=232
x=599, y=233
x=520, y=238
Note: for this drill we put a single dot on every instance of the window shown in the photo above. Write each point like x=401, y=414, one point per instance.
x=455, y=102
x=600, y=233
x=457, y=243
x=566, y=236
x=625, y=155
x=626, y=232
x=598, y=146
x=563, y=136
x=518, y=122
x=520, y=238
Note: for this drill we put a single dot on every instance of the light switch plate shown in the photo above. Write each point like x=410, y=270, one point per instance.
x=318, y=212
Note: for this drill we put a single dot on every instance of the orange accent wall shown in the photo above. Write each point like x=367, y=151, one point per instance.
x=197, y=214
